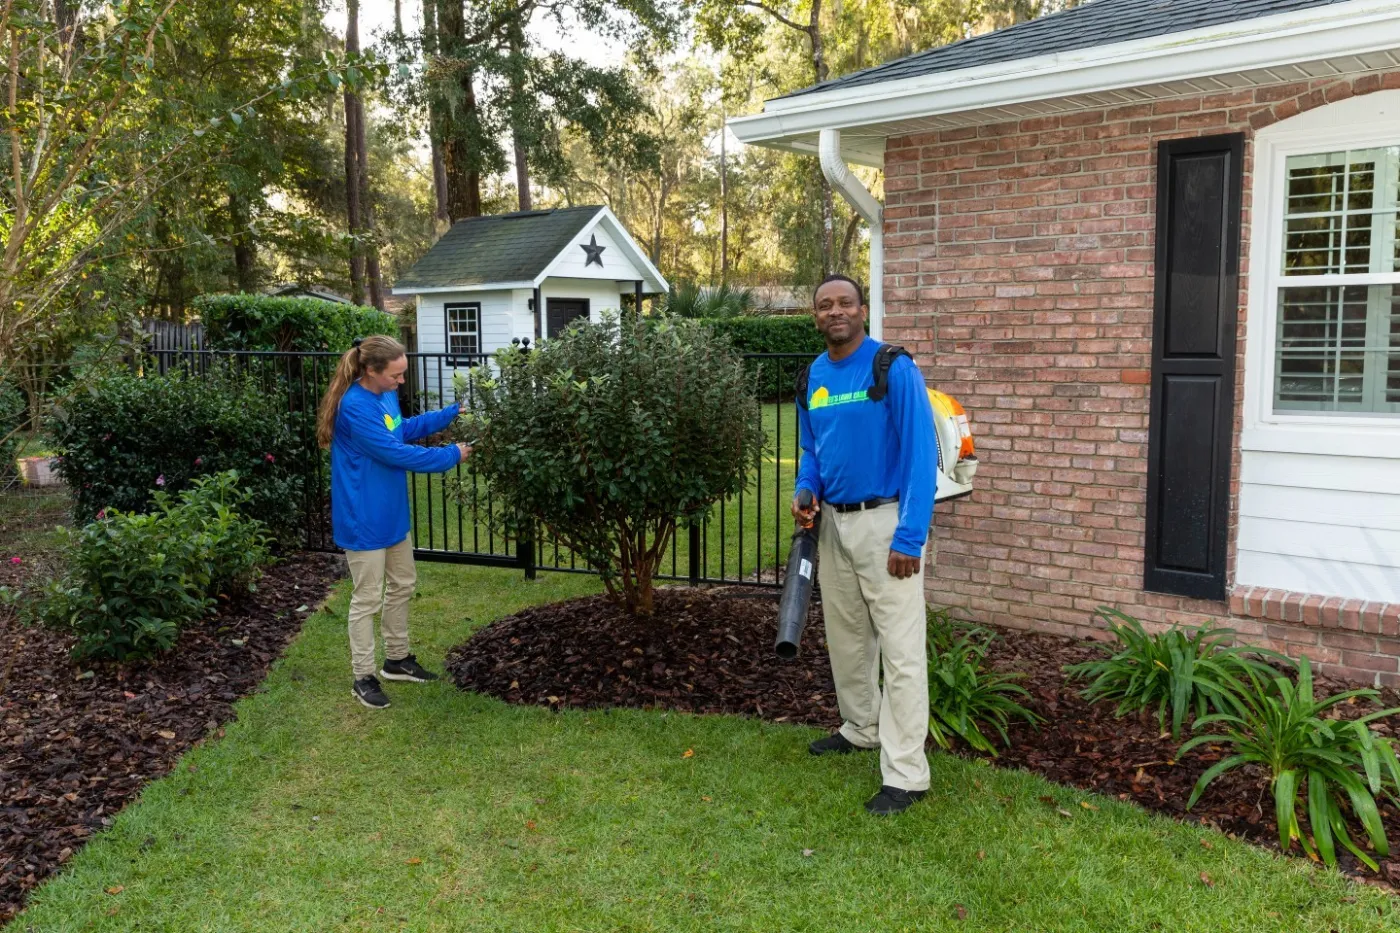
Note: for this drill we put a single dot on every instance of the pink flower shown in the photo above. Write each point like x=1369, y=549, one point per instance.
x=269, y=458
x=160, y=480
x=16, y=560
x=102, y=515
x=198, y=461
x=106, y=437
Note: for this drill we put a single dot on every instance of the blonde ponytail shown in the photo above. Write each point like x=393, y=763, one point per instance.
x=371, y=354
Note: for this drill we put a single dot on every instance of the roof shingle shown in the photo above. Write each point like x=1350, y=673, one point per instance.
x=499, y=248
x=1102, y=22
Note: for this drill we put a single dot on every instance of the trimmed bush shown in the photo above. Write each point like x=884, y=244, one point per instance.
x=796, y=334
x=126, y=437
x=259, y=322
x=609, y=435
x=13, y=416
x=133, y=579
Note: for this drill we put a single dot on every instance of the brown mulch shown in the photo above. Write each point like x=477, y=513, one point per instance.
x=78, y=741
x=711, y=651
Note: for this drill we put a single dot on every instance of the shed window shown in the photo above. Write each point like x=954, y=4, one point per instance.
x=1337, y=342
x=464, y=329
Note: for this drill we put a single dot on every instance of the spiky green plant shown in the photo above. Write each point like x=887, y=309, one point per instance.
x=1342, y=766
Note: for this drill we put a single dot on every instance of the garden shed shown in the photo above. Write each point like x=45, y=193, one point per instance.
x=526, y=275
x=1153, y=248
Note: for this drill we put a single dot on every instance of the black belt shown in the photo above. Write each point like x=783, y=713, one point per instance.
x=860, y=506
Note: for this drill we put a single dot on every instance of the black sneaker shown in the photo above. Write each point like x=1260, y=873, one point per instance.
x=836, y=744
x=893, y=800
x=367, y=691
x=406, y=669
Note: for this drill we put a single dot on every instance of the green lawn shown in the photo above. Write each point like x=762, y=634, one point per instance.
x=750, y=531
x=453, y=812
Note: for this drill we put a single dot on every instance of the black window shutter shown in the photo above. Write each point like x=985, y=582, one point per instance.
x=1191, y=425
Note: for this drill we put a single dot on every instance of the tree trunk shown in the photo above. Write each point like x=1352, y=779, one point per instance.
x=723, y=201
x=363, y=223
x=519, y=139
x=460, y=124
x=352, y=163
x=244, y=250
x=441, y=219
x=847, y=242
x=821, y=71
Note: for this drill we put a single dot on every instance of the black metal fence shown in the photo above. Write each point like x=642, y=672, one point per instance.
x=745, y=540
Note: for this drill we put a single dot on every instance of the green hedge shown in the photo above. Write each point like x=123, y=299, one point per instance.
x=258, y=322
x=128, y=436
x=795, y=334
x=13, y=416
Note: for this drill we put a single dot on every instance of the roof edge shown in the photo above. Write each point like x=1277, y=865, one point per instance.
x=1347, y=29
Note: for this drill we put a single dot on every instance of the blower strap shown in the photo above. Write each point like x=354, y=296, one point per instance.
x=880, y=369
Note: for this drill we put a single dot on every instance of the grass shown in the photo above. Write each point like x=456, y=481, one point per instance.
x=750, y=531
x=453, y=812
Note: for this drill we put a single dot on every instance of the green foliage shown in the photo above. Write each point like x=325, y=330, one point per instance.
x=126, y=435
x=1342, y=766
x=1184, y=671
x=771, y=334
x=610, y=434
x=13, y=416
x=258, y=322
x=686, y=299
x=965, y=695
x=134, y=579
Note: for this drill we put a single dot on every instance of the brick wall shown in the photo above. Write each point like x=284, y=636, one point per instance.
x=1019, y=264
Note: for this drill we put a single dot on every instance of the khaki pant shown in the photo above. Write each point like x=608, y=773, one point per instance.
x=384, y=579
x=873, y=617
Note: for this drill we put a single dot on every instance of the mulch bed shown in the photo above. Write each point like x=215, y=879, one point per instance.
x=79, y=741
x=711, y=651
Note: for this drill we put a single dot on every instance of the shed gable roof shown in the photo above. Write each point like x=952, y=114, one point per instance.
x=1100, y=22
x=504, y=248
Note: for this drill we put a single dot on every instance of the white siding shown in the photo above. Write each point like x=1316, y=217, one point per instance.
x=601, y=296
x=1316, y=523
x=616, y=266
x=497, y=322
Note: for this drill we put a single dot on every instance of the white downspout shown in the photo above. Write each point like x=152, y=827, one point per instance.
x=839, y=175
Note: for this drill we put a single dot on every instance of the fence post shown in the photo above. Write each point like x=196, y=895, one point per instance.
x=694, y=532
x=525, y=552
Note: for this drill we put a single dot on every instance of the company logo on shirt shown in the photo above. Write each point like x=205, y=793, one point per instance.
x=391, y=422
x=824, y=399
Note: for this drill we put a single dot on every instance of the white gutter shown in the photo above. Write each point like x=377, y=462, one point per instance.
x=839, y=175
x=1334, y=31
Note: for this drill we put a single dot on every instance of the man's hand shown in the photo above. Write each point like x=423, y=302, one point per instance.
x=465, y=450
x=902, y=565
x=805, y=517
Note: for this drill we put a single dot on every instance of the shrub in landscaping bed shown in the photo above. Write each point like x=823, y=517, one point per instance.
x=134, y=579
x=1341, y=765
x=795, y=334
x=1186, y=672
x=610, y=435
x=966, y=695
x=126, y=437
x=260, y=322
x=14, y=413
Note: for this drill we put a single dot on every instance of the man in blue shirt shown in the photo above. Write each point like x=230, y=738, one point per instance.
x=871, y=466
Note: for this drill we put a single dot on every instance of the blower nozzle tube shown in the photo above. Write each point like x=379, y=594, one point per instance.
x=797, y=585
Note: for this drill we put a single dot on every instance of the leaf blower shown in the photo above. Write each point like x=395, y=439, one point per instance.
x=798, y=583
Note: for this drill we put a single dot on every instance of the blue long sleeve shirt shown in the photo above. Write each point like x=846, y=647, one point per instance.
x=370, y=460
x=855, y=449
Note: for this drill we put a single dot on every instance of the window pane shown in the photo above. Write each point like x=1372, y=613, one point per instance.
x=1338, y=349
x=1340, y=213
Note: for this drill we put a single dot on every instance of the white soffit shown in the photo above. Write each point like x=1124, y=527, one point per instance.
x=1323, y=42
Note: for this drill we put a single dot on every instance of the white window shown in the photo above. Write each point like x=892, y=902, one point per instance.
x=463, y=329
x=1336, y=340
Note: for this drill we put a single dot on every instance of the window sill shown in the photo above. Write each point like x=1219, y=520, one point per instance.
x=1345, y=439
x=1359, y=615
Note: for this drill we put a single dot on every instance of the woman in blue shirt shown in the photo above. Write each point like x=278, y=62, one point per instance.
x=359, y=421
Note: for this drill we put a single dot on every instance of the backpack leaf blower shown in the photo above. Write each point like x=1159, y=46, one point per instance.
x=797, y=584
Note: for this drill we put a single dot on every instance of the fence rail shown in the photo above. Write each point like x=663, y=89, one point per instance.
x=743, y=541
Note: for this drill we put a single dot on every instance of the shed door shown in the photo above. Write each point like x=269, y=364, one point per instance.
x=562, y=312
x=1193, y=365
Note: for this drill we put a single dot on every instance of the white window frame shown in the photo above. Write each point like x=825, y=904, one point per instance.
x=474, y=307
x=1367, y=121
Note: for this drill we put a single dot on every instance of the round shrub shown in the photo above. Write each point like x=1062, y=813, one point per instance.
x=126, y=437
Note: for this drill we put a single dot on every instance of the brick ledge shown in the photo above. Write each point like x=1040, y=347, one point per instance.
x=1359, y=615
